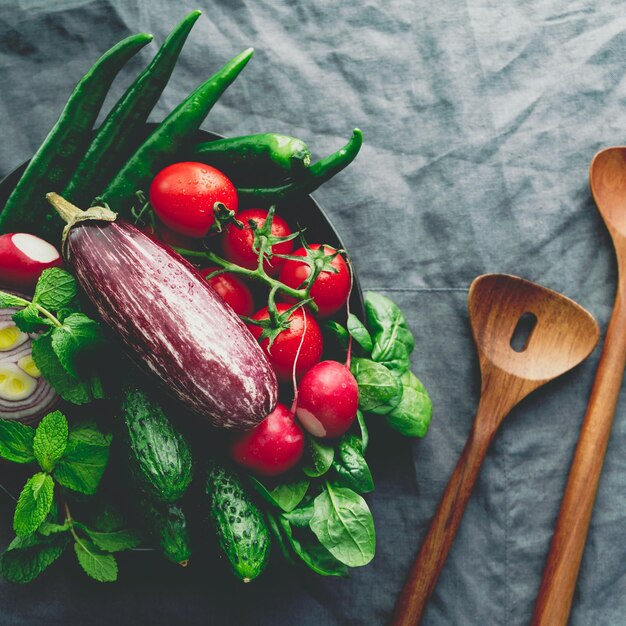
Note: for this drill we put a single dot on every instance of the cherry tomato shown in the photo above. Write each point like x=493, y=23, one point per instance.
x=282, y=354
x=238, y=243
x=273, y=446
x=183, y=194
x=330, y=290
x=232, y=290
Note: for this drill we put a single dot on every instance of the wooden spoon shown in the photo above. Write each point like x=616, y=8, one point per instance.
x=563, y=335
x=607, y=177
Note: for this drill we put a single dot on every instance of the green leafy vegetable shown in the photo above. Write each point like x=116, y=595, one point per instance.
x=85, y=459
x=28, y=319
x=16, y=441
x=113, y=540
x=34, y=504
x=351, y=467
x=343, y=524
x=411, y=417
x=78, y=334
x=69, y=387
x=286, y=496
x=50, y=440
x=320, y=457
x=363, y=427
x=98, y=565
x=8, y=300
x=379, y=389
x=337, y=332
x=359, y=333
x=27, y=557
x=392, y=339
x=55, y=289
x=312, y=554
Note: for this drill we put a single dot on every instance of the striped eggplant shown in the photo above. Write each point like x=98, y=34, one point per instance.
x=173, y=323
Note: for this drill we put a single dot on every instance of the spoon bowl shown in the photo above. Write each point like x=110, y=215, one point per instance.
x=607, y=178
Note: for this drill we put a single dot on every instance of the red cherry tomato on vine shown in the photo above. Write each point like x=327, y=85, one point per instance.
x=282, y=353
x=273, y=446
x=183, y=194
x=330, y=290
x=238, y=243
x=232, y=290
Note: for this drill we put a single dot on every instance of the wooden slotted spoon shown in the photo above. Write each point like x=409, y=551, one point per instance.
x=563, y=335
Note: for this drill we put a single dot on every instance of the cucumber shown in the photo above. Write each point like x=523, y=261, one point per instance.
x=167, y=525
x=241, y=530
x=160, y=457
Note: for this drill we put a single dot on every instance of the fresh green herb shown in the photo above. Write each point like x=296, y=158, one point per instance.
x=343, y=524
x=411, y=417
x=55, y=289
x=97, y=564
x=363, y=428
x=393, y=341
x=112, y=540
x=379, y=389
x=351, y=467
x=319, y=457
x=34, y=504
x=77, y=334
x=28, y=557
x=16, y=442
x=50, y=440
x=285, y=496
x=359, y=332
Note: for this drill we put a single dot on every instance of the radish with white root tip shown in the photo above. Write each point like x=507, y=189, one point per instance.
x=22, y=259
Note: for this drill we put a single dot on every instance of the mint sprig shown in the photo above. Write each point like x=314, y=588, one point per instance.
x=66, y=334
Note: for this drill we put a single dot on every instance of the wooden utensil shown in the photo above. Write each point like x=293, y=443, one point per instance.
x=563, y=335
x=607, y=177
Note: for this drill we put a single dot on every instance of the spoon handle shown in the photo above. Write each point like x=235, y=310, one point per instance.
x=554, y=601
x=432, y=556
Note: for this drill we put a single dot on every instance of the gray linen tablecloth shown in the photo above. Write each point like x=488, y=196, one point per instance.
x=480, y=119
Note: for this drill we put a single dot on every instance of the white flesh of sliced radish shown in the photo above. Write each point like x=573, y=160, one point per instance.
x=15, y=384
x=311, y=423
x=35, y=248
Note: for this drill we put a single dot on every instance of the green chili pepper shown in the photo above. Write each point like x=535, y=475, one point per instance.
x=256, y=157
x=118, y=137
x=55, y=160
x=315, y=176
x=170, y=137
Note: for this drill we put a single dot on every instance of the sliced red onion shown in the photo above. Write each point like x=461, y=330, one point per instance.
x=24, y=394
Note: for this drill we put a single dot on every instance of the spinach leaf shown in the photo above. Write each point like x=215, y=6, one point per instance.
x=311, y=553
x=343, y=524
x=359, y=333
x=411, y=417
x=393, y=340
x=379, y=389
x=337, y=332
x=320, y=457
x=364, y=432
x=301, y=516
x=279, y=535
x=351, y=467
x=286, y=496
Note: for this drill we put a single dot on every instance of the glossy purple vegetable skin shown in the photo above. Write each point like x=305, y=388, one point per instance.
x=173, y=323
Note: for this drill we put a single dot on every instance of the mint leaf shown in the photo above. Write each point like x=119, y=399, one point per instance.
x=16, y=441
x=112, y=541
x=50, y=440
x=99, y=566
x=27, y=557
x=28, y=320
x=68, y=387
x=84, y=461
x=78, y=333
x=8, y=300
x=33, y=504
x=55, y=289
x=51, y=528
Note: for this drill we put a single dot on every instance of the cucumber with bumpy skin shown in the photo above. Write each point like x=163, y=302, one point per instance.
x=161, y=459
x=241, y=530
x=167, y=524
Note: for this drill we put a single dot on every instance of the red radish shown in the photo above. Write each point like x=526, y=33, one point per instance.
x=232, y=290
x=238, y=242
x=183, y=196
x=282, y=354
x=331, y=288
x=273, y=446
x=328, y=398
x=22, y=259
